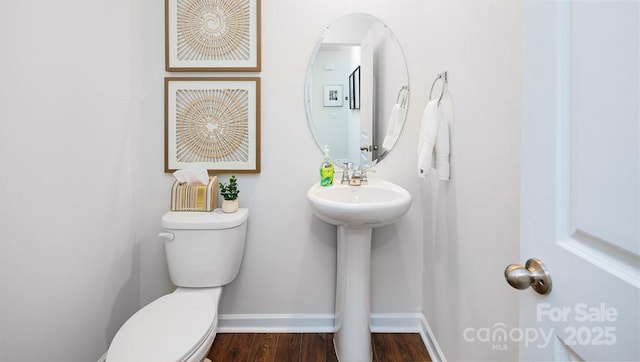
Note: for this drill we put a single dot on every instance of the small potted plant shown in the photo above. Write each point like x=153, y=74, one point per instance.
x=230, y=194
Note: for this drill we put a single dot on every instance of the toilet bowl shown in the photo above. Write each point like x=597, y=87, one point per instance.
x=204, y=252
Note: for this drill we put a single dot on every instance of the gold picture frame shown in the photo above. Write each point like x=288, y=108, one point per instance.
x=212, y=36
x=212, y=123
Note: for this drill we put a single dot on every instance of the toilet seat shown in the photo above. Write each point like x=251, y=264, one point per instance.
x=171, y=328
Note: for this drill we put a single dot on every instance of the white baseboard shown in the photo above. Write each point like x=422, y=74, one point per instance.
x=275, y=323
x=395, y=323
x=314, y=323
x=430, y=341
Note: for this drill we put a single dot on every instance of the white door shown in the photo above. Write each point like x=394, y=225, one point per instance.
x=580, y=179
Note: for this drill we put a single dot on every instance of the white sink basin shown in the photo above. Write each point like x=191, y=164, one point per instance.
x=375, y=204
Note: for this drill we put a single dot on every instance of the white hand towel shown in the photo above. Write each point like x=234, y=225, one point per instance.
x=392, y=128
x=427, y=138
x=442, y=149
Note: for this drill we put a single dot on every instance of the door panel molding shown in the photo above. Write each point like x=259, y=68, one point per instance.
x=611, y=258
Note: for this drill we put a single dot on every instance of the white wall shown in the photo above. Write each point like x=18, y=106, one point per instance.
x=471, y=224
x=68, y=111
x=80, y=95
x=289, y=262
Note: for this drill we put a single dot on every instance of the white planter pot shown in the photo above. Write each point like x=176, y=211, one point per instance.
x=230, y=206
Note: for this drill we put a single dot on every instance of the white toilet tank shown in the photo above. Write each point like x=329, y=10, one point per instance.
x=207, y=247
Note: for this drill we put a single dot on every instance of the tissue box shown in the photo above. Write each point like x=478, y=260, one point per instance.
x=195, y=197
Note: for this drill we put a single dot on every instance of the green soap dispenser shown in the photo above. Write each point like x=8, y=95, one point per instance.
x=326, y=169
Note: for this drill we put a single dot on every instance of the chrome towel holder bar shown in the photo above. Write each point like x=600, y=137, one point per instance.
x=444, y=76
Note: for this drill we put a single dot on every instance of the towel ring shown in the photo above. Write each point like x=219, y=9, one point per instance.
x=444, y=77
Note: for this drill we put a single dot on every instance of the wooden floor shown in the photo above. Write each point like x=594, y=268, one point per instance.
x=311, y=347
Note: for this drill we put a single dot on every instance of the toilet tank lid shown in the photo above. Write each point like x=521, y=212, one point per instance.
x=195, y=220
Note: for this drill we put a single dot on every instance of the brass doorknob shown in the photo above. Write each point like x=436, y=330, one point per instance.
x=534, y=274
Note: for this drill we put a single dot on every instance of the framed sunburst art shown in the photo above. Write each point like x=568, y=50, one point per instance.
x=212, y=123
x=212, y=35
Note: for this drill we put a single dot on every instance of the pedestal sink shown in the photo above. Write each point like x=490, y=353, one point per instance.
x=356, y=210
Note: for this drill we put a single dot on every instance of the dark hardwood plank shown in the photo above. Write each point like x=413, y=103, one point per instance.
x=385, y=347
x=289, y=347
x=237, y=349
x=314, y=347
x=330, y=349
x=220, y=346
x=263, y=348
x=311, y=347
x=412, y=347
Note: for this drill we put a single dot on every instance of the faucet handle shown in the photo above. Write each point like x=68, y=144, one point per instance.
x=346, y=173
x=363, y=175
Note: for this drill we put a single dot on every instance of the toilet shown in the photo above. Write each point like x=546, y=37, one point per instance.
x=204, y=252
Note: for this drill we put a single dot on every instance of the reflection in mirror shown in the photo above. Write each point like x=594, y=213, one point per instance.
x=357, y=90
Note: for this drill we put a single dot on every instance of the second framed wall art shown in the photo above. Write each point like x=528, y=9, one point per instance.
x=212, y=123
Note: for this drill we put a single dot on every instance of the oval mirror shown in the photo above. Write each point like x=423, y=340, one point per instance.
x=357, y=90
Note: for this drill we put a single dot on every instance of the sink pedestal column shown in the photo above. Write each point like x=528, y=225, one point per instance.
x=352, y=337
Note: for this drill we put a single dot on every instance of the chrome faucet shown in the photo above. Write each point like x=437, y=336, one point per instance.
x=356, y=178
x=346, y=173
x=353, y=177
x=359, y=177
x=363, y=176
